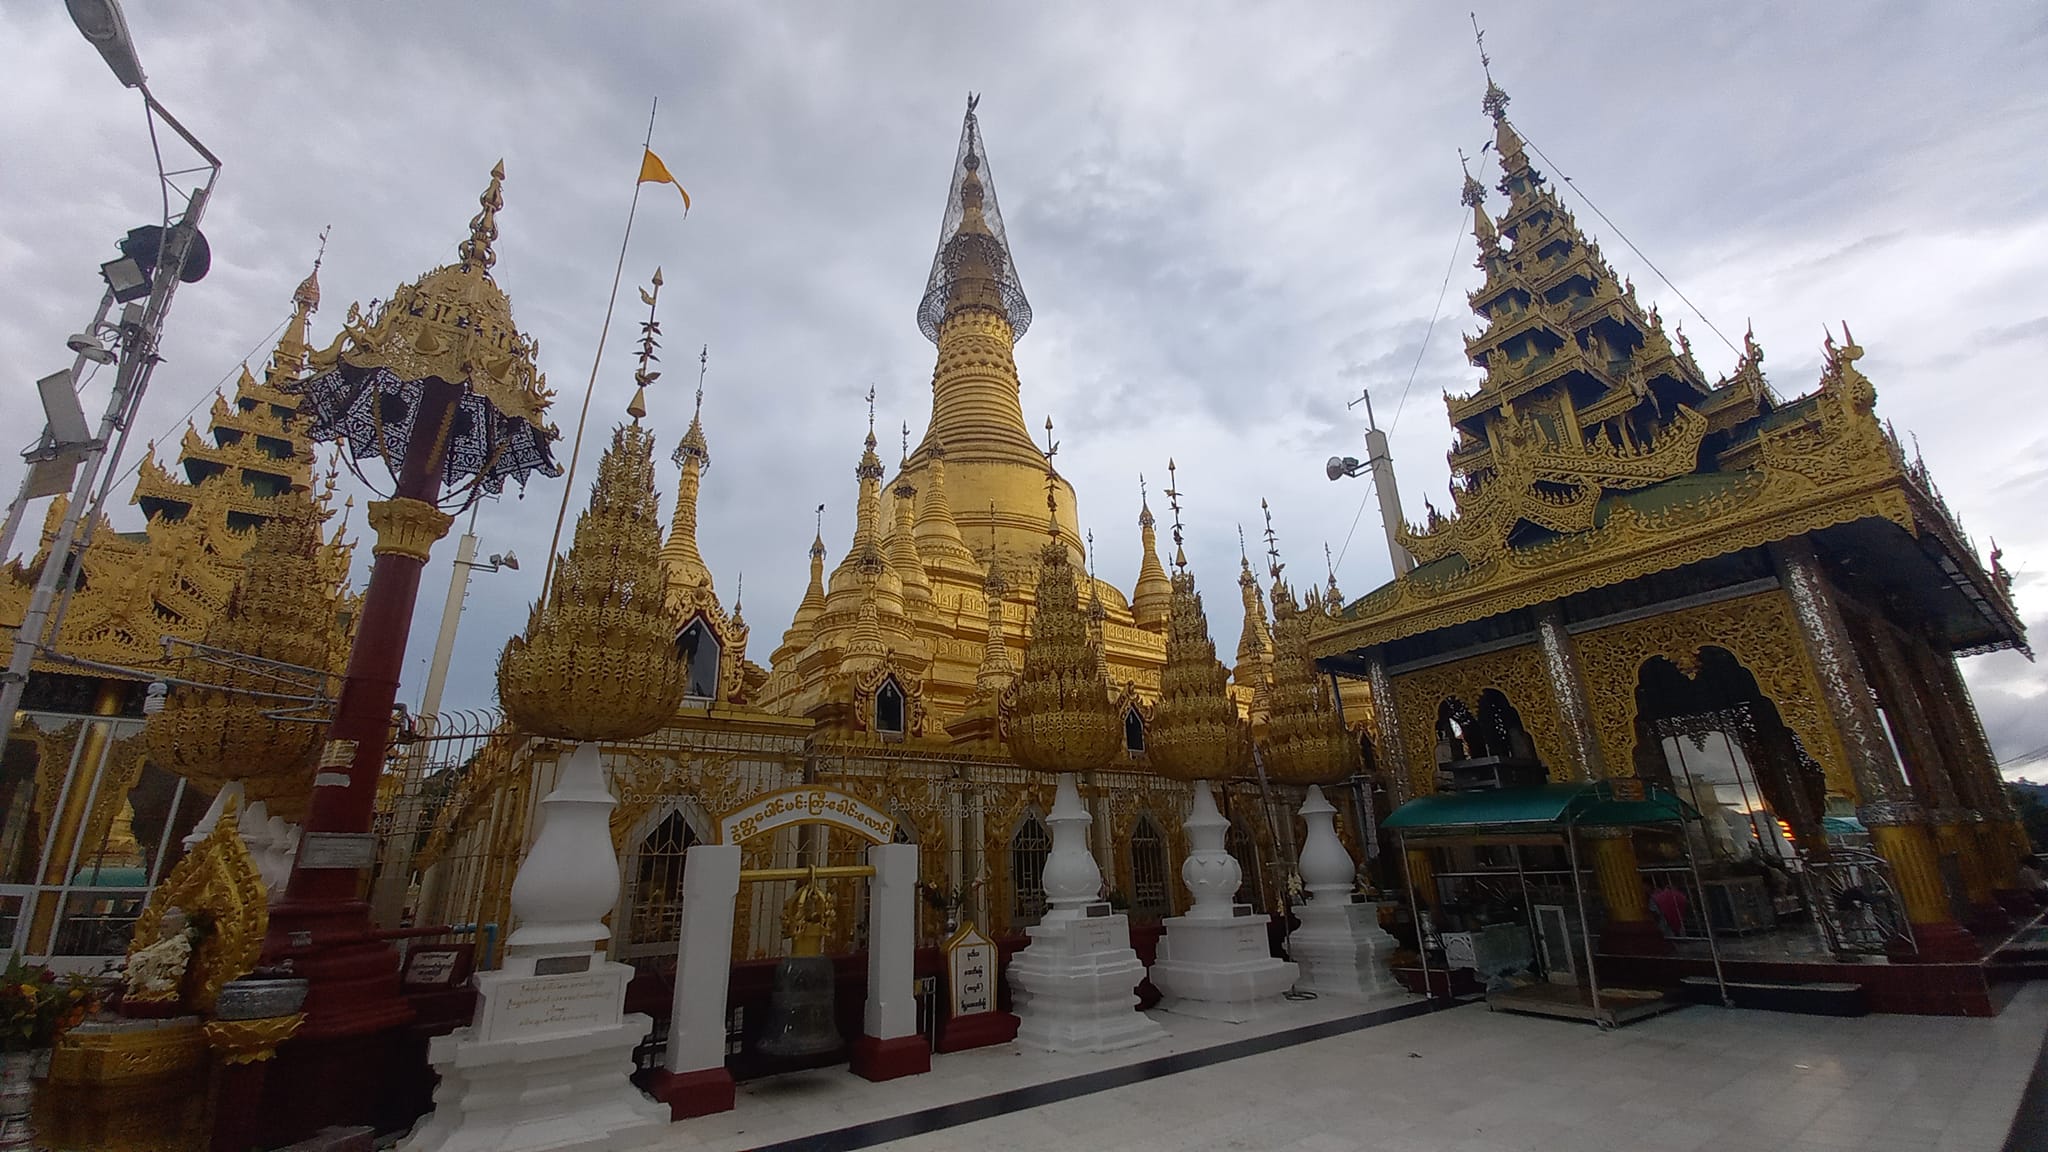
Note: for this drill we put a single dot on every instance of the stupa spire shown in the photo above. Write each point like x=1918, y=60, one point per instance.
x=288, y=359
x=917, y=588
x=1195, y=733
x=684, y=563
x=1254, y=668
x=938, y=535
x=1151, y=600
x=803, y=627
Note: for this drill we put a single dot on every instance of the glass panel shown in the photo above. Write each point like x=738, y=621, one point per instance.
x=1028, y=851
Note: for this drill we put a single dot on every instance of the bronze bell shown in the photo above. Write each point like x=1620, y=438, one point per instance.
x=800, y=1007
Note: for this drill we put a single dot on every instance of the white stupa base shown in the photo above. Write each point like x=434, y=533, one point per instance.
x=1220, y=969
x=543, y=1069
x=1074, y=988
x=1342, y=950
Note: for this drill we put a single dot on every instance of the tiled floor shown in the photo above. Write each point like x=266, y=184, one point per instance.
x=1471, y=1081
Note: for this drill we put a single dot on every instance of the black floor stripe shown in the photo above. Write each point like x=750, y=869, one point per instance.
x=2030, y=1125
x=889, y=1128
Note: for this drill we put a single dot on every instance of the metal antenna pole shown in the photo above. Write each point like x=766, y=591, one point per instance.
x=137, y=363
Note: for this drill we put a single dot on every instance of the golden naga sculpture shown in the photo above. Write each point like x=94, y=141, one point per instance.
x=598, y=660
x=1305, y=741
x=1064, y=719
x=203, y=927
x=231, y=728
x=1195, y=733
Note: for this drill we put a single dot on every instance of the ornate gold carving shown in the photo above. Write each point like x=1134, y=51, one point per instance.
x=279, y=612
x=1305, y=742
x=407, y=527
x=1064, y=720
x=96, y=1055
x=1759, y=631
x=598, y=661
x=216, y=887
x=250, y=1041
x=1195, y=731
x=1516, y=673
x=453, y=324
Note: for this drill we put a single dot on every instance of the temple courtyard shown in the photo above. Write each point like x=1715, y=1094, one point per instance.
x=1404, y=1079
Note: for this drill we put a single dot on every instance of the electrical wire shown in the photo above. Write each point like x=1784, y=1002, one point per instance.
x=1559, y=173
x=163, y=182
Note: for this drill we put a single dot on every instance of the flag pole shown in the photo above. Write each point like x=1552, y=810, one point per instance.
x=576, y=448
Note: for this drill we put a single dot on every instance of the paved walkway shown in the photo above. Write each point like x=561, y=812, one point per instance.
x=1469, y=1080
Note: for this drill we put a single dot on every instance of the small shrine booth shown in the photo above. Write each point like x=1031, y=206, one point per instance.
x=1498, y=880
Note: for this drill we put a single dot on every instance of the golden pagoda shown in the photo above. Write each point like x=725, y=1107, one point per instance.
x=1643, y=562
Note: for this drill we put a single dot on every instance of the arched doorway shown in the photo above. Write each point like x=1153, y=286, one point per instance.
x=1030, y=846
x=654, y=902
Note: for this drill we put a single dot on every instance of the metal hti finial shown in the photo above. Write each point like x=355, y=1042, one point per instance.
x=1495, y=103
x=1052, y=510
x=703, y=365
x=906, y=442
x=1273, y=565
x=650, y=341
x=483, y=227
x=871, y=415
x=1180, y=557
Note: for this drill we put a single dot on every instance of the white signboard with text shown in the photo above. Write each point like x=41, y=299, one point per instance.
x=971, y=960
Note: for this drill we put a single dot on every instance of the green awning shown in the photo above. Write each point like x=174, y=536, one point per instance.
x=1547, y=808
x=1843, y=826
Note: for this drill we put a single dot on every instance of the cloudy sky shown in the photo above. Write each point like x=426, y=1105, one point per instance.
x=1228, y=218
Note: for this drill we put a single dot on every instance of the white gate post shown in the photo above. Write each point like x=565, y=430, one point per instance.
x=890, y=1045
x=695, y=1082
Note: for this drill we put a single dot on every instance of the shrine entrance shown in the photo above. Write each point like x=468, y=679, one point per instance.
x=1782, y=875
x=695, y=1080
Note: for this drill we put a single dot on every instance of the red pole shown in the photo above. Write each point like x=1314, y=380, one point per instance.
x=330, y=1070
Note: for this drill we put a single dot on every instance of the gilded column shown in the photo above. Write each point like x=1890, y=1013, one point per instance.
x=1393, y=754
x=1630, y=930
x=1897, y=823
x=2005, y=839
x=1568, y=686
x=1930, y=768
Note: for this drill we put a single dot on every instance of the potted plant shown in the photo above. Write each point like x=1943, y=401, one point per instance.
x=36, y=1007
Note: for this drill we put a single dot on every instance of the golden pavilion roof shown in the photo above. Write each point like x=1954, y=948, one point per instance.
x=1595, y=451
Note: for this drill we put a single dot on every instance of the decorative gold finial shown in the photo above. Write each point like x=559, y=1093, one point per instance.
x=483, y=227
x=650, y=341
x=871, y=415
x=1052, y=512
x=1495, y=103
x=906, y=443
x=307, y=295
x=1474, y=194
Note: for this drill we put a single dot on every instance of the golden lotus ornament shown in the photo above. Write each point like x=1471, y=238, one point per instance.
x=1306, y=742
x=1063, y=719
x=598, y=659
x=1196, y=733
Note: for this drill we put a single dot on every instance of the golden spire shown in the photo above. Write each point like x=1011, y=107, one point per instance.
x=804, y=625
x=1098, y=616
x=1305, y=742
x=1254, y=669
x=1064, y=719
x=680, y=557
x=1151, y=600
x=866, y=551
x=1473, y=196
x=1335, y=598
x=598, y=659
x=1517, y=178
x=917, y=587
x=1195, y=732
x=288, y=359
x=938, y=535
x=483, y=227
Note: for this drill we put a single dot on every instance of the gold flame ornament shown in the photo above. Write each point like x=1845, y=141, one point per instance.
x=1064, y=719
x=598, y=660
x=1195, y=733
x=221, y=729
x=1305, y=741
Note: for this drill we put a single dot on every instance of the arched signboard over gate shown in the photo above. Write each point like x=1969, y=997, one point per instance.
x=812, y=804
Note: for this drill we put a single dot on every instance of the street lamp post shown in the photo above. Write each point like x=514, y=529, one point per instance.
x=140, y=330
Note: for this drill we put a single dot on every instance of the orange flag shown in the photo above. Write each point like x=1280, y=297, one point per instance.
x=653, y=171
